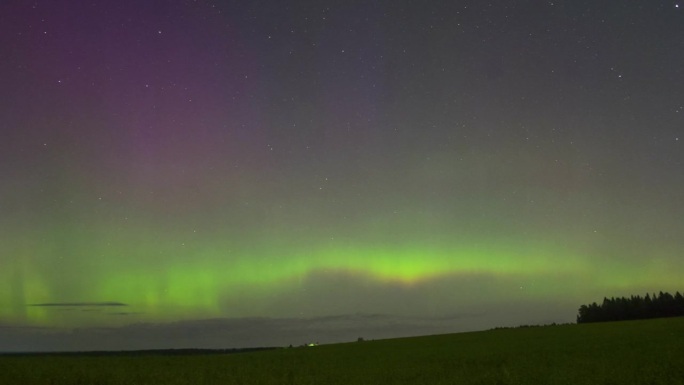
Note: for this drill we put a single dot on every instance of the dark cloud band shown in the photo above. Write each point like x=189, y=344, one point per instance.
x=73, y=304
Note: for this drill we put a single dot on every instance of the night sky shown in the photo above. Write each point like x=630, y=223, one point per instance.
x=249, y=173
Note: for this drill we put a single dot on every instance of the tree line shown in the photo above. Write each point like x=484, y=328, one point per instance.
x=634, y=307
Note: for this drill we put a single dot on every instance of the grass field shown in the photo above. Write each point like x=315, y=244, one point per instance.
x=629, y=352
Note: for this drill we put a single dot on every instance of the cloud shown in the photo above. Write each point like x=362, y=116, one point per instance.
x=223, y=333
x=78, y=304
x=124, y=313
x=22, y=327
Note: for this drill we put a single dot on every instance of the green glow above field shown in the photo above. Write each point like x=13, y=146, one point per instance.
x=207, y=160
x=186, y=269
x=168, y=280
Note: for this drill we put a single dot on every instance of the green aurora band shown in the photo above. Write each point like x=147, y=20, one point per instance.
x=195, y=280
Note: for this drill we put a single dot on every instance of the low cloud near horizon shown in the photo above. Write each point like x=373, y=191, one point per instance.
x=323, y=308
x=225, y=333
x=78, y=304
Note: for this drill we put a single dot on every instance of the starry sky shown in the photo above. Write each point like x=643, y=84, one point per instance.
x=242, y=173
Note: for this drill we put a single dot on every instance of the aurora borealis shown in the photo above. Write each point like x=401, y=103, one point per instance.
x=166, y=163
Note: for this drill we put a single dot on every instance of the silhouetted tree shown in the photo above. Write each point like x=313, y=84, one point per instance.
x=634, y=307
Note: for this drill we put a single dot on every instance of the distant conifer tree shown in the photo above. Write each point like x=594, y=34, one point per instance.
x=634, y=307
